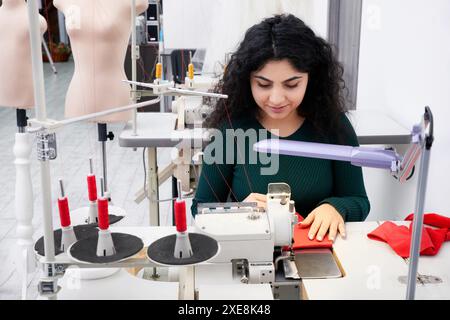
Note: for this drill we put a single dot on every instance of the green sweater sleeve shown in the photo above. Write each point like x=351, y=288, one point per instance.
x=216, y=176
x=349, y=194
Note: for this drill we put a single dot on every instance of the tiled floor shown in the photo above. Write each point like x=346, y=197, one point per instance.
x=76, y=143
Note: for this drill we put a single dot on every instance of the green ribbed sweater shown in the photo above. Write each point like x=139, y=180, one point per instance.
x=312, y=181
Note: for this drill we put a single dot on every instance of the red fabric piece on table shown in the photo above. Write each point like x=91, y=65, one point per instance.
x=399, y=237
x=433, y=219
x=301, y=240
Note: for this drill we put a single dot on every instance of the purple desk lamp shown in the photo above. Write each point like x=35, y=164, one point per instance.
x=400, y=167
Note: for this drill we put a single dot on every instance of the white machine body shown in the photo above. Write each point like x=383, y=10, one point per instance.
x=239, y=236
x=245, y=233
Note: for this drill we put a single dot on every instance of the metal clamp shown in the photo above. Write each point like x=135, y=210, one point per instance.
x=137, y=53
x=46, y=146
x=48, y=287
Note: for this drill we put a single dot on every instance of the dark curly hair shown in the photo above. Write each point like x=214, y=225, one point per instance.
x=275, y=38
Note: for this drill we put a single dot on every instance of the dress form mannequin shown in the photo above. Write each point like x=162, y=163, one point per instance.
x=16, y=80
x=99, y=31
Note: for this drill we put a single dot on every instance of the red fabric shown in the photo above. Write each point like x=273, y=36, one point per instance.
x=64, y=215
x=399, y=237
x=301, y=240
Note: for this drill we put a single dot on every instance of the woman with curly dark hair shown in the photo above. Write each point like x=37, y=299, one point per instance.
x=284, y=82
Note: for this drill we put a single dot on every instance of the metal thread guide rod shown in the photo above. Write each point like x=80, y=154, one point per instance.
x=103, y=136
x=48, y=282
x=61, y=188
x=134, y=56
x=92, y=194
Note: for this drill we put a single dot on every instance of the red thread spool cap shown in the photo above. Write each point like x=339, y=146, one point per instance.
x=180, y=216
x=92, y=187
x=103, y=215
x=64, y=215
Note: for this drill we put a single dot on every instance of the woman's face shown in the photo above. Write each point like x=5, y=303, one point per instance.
x=278, y=89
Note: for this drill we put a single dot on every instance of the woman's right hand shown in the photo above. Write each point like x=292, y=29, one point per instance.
x=260, y=199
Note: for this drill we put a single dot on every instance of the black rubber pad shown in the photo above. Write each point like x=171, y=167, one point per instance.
x=203, y=248
x=126, y=246
x=82, y=231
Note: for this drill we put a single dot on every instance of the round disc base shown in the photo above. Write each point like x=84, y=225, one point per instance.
x=81, y=232
x=126, y=245
x=162, y=250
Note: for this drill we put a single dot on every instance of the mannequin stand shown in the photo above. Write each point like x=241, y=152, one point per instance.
x=24, y=200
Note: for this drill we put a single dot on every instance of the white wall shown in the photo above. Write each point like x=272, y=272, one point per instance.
x=219, y=25
x=405, y=65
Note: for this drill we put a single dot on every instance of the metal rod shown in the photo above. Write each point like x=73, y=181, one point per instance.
x=162, y=107
x=133, y=61
x=179, y=189
x=41, y=115
x=102, y=190
x=153, y=190
x=105, y=169
x=49, y=244
x=61, y=123
x=50, y=59
x=91, y=166
x=36, y=58
x=61, y=187
x=417, y=224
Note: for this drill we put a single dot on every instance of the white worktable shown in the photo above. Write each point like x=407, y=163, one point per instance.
x=372, y=269
x=439, y=266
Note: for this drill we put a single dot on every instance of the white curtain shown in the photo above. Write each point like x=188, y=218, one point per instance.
x=219, y=25
x=231, y=18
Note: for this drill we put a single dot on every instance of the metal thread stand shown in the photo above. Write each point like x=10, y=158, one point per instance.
x=103, y=136
x=48, y=283
x=153, y=190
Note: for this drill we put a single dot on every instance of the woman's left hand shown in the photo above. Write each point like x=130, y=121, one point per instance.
x=324, y=218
